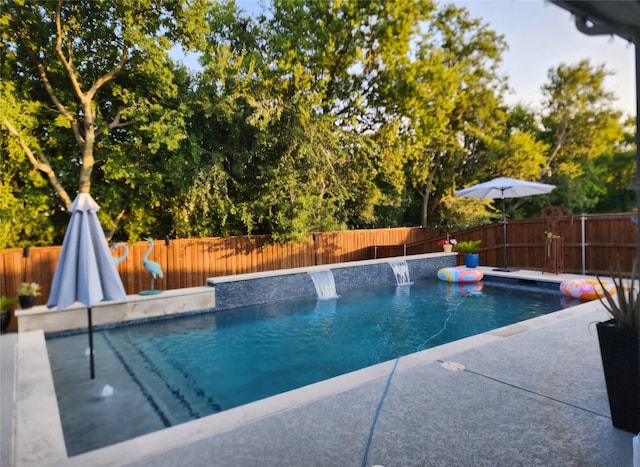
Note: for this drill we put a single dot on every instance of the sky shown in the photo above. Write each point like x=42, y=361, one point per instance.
x=542, y=36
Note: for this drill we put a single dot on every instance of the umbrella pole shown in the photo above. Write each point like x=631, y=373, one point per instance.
x=504, y=234
x=93, y=369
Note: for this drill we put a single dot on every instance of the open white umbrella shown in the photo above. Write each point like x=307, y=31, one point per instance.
x=502, y=187
x=85, y=271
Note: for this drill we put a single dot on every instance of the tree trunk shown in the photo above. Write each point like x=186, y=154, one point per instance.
x=84, y=185
x=425, y=208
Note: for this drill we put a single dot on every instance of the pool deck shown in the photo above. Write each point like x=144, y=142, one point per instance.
x=532, y=393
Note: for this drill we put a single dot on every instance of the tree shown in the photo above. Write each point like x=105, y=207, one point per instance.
x=316, y=115
x=94, y=76
x=620, y=174
x=297, y=91
x=463, y=55
x=579, y=124
x=24, y=193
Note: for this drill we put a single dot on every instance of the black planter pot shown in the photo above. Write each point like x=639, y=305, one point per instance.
x=620, y=351
x=5, y=317
x=26, y=301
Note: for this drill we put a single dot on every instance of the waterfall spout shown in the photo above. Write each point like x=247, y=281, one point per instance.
x=401, y=271
x=325, y=285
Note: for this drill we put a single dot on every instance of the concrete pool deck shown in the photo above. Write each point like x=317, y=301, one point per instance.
x=531, y=394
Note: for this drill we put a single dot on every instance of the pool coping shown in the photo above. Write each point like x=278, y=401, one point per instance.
x=39, y=439
x=134, y=308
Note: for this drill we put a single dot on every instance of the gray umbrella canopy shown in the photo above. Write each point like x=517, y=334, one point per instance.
x=505, y=188
x=502, y=188
x=85, y=271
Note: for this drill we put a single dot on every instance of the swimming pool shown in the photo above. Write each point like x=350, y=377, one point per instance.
x=168, y=372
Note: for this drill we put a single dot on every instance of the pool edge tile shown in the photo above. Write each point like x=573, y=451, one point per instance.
x=38, y=431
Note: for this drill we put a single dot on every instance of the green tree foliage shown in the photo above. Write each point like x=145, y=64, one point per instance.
x=312, y=115
x=457, y=110
x=570, y=143
x=619, y=175
x=297, y=97
x=95, y=76
x=346, y=110
x=24, y=193
x=579, y=124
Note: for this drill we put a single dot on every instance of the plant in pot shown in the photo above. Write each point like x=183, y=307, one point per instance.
x=447, y=244
x=5, y=311
x=469, y=249
x=619, y=340
x=27, y=293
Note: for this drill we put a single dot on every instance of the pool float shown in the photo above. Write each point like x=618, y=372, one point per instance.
x=462, y=288
x=459, y=274
x=586, y=289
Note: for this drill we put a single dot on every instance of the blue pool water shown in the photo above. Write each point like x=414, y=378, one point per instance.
x=171, y=371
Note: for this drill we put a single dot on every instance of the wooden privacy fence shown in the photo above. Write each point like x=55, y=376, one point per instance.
x=593, y=244
x=189, y=262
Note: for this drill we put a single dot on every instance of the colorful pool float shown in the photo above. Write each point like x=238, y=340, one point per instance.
x=459, y=274
x=586, y=289
x=466, y=288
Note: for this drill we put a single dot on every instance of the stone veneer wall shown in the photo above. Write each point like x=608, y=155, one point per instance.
x=259, y=290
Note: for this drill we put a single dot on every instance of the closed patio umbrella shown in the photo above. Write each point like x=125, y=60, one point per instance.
x=502, y=187
x=85, y=271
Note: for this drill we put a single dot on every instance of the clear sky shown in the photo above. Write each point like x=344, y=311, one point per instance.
x=541, y=36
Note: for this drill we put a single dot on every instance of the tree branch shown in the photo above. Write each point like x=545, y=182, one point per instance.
x=115, y=224
x=87, y=97
x=49, y=88
x=86, y=100
x=59, y=105
x=66, y=63
x=41, y=163
x=560, y=140
x=124, y=56
x=115, y=123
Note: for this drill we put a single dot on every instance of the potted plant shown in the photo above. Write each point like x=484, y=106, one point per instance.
x=619, y=340
x=27, y=293
x=5, y=311
x=469, y=249
x=447, y=244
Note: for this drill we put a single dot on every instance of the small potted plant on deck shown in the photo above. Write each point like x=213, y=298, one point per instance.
x=619, y=340
x=447, y=244
x=27, y=293
x=469, y=249
x=5, y=311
